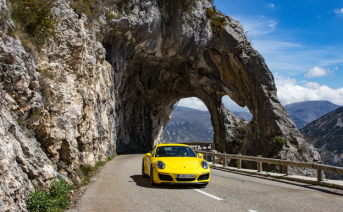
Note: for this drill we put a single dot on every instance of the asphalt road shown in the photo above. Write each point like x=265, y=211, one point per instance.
x=120, y=187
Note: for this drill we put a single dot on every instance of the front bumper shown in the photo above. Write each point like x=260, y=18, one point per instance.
x=200, y=178
x=185, y=183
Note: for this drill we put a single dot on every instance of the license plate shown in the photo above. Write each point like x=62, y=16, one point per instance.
x=181, y=176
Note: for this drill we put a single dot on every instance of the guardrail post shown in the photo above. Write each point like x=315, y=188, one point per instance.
x=320, y=173
x=285, y=168
x=225, y=162
x=239, y=162
x=259, y=164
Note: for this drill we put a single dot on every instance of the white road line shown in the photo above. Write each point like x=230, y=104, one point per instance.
x=210, y=195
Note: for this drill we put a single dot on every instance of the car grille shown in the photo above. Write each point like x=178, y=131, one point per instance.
x=165, y=177
x=185, y=179
x=203, y=177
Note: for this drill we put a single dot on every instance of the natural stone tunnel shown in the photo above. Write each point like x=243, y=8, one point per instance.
x=169, y=54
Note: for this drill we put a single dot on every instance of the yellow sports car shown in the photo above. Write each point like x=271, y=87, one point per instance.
x=175, y=164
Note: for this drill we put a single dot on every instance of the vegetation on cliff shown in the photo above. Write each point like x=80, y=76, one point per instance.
x=55, y=199
x=34, y=21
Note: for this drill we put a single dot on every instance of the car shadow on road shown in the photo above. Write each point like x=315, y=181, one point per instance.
x=145, y=182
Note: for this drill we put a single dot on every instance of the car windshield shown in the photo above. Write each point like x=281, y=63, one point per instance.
x=174, y=151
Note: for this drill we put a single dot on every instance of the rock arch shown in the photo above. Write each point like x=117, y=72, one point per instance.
x=161, y=54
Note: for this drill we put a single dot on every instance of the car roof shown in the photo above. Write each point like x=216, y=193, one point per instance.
x=171, y=144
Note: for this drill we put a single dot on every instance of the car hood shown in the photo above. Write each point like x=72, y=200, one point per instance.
x=181, y=162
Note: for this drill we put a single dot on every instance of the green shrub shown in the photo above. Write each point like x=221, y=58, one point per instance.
x=87, y=170
x=57, y=197
x=34, y=17
x=60, y=190
x=218, y=21
x=39, y=201
x=279, y=140
x=111, y=16
x=242, y=129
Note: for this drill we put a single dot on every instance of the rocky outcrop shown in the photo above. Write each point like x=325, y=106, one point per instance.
x=80, y=100
x=57, y=108
x=325, y=134
x=161, y=53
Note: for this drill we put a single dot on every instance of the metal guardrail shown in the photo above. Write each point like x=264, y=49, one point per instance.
x=285, y=163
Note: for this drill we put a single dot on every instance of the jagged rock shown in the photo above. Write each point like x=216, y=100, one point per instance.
x=23, y=165
x=83, y=101
x=162, y=53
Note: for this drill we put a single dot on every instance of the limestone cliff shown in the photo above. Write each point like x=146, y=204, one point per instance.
x=108, y=85
x=57, y=111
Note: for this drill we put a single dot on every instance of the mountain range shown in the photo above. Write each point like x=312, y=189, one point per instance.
x=321, y=122
x=303, y=113
x=326, y=134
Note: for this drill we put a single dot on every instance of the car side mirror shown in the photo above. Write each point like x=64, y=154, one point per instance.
x=148, y=154
x=199, y=155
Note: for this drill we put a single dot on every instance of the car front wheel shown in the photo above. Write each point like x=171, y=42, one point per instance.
x=152, y=176
x=143, y=173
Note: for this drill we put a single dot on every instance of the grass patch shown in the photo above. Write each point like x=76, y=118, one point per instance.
x=86, y=172
x=56, y=198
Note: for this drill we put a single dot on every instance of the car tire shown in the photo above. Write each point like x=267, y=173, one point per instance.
x=152, y=176
x=143, y=174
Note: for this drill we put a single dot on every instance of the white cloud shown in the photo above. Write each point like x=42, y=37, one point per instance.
x=271, y=5
x=318, y=72
x=338, y=11
x=259, y=25
x=289, y=91
x=196, y=103
x=312, y=85
x=233, y=106
x=192, y=102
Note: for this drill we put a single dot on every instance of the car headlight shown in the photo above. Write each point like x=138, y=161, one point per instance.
x=160, y=165
x=204, y=164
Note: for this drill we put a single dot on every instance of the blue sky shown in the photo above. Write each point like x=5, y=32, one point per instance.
x=301, y=41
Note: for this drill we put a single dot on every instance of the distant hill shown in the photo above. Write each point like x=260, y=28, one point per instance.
x=189, y=125
x=303, y=113
x=297, y=121
x=326, y=134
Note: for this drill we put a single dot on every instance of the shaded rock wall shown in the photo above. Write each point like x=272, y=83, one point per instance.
x=162, y=53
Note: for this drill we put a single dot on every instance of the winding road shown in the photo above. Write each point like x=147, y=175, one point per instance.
x=120, y=187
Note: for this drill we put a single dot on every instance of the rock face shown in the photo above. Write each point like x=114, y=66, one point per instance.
x=325, y=134
x=80, y=100
x=57, y=110
x=162, y=53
